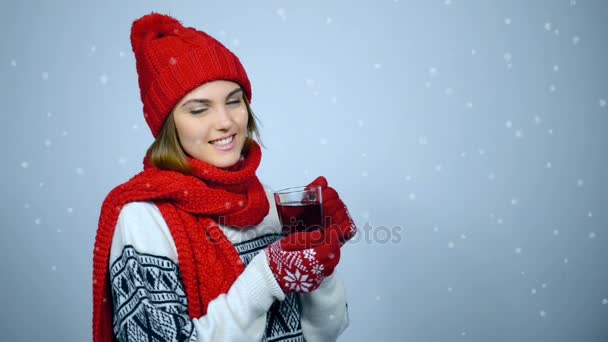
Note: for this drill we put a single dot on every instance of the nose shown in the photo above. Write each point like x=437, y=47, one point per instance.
x=224, y=119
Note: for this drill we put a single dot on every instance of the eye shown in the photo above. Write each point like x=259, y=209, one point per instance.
x=234, y=102
x=198, y=111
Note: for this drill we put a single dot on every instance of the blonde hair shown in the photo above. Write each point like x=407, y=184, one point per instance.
x=167, y=153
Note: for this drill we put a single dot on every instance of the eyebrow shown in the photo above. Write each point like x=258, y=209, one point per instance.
x=206, y=101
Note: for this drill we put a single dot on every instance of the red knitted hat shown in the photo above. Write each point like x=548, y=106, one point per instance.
x=172, y=60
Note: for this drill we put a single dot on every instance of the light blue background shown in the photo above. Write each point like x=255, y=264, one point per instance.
x=474, y=131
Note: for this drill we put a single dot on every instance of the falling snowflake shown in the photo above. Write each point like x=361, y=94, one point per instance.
x=552, y=88
x=364, y=173
x=537, y=119
x=519, y=134
x=328, y=20
x=378, y=297
x=450, y=244
x=549, y=165
x=602, y=102
x=508, y=21
x=412, y=196
x=572, y=2
x=576, y=40
x=377, y=65
x=47, y=143
x=507, y=56
x=517, y=250
x=79, y=171
x=45, y=75
x=542, y=313
x=565, y=260
x=605, y=301
x=432, y=71
x=323, y=141
x=363, y=154
x=70, y=210
x=14, y=62
x=281, y=13
x=103, y=79
x=555, y=232
x=548, y=26
x=473, y=52
x=448, y=91
x=93, y=48
x=121, y=54
x=37, y=220
x=469, y=104
x=556, y=67
x=408, y=178
x=592, y=235
x=334, y=99
x=533, y=291
x=438, y=167
x=509, y=124
x=25, y=165
x=423, y=141
x=514, y=201
x=579, y=182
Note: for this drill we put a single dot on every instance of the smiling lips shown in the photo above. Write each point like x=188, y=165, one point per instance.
x=224, y=144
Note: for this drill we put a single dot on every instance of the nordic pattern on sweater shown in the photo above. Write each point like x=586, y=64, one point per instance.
x=150, y=301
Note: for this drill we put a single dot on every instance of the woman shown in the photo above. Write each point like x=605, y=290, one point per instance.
x=191, y=249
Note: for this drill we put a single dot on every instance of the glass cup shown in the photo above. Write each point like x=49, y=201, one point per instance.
x=299, y=209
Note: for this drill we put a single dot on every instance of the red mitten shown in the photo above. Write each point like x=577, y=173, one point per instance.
x=337, y=221
x=302, y=260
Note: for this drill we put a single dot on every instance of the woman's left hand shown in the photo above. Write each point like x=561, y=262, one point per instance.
x=337, y=221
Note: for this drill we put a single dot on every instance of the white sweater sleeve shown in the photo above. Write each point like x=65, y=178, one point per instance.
x=149, y=299
x=325, y=310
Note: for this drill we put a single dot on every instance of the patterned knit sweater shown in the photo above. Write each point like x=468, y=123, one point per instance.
x=150, y=304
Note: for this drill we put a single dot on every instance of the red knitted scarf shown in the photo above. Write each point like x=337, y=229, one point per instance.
x=191, y=206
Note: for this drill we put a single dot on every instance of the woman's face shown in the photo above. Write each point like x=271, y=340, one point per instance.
x=213, y=111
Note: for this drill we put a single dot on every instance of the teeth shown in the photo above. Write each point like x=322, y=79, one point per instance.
x=223, y=141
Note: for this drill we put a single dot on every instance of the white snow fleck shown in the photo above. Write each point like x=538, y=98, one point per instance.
x=423, y=141
x=37, y=220
x=508, y=21
x=549, y=165
x=576, y=40
x=450, y=244
x=47, y=143
x=580, y=182
x=323, y=141
x=542, y=313
x=79, y=171
x=14, y=62
x=548, y=26
x=602, y=102
x=25, y=165
x=412, y=196
x=45, y=75
x=377, y=65
x=93, y=48
x=491, y=176
x=555, y=232
x=592, y=235
x=509, y=124
x=281, y=13
x=518, y=250
x=605, y=301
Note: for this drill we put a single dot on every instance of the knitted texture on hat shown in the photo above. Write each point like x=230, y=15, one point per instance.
x=191, y=206
x=172, y=60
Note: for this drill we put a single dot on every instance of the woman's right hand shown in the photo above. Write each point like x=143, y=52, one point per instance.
x=300, y=261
